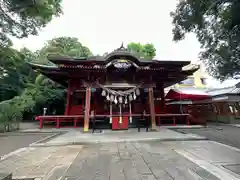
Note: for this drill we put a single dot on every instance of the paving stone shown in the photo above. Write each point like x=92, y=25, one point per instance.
x=148, y=177
x=114, y=161
x=5, y=176
x=56, y=173
x=206, y=175
x=234, y=168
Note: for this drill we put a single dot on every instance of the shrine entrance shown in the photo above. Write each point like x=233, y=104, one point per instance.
x=115, y=106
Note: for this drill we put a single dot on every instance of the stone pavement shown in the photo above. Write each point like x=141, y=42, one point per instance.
x=126, y=156
x=217, y=132
x=189, y=160
x=11, y=141
x=46, y=163
x=76, y=137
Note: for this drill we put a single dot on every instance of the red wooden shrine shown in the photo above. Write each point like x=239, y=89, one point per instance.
x=117, y=87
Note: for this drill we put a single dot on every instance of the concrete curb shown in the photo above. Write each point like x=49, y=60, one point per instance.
x=46, y=138
x=117, y=141
x=186, y=127
x=231, y=125
x=218, y=172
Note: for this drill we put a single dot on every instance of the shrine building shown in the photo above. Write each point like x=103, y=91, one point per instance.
x=118, y=89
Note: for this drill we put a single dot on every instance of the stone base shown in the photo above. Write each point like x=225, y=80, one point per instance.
x=153, y=130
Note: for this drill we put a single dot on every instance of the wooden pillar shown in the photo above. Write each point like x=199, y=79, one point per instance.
x=152, y=108
x=68, y=99
x=87, y=109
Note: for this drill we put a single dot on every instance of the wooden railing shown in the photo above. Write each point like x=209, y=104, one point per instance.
x=78, y=118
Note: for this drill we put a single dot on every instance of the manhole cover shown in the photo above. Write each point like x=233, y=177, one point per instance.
x=233, y=167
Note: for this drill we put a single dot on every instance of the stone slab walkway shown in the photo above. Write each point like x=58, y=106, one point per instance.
x=178, y=160
x=77, y=137
x=46, y=163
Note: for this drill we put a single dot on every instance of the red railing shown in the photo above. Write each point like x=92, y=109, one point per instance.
x=77, y=118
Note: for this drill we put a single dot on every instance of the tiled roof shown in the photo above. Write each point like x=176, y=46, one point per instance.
x=227, y=90
x=191, y=91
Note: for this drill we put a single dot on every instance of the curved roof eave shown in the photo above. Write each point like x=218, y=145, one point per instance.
x=190, y=69
x=41, y=66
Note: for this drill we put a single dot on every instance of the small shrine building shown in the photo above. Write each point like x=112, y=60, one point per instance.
x=118, y=88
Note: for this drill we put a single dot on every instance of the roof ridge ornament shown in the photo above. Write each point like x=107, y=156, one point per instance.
x=121, y=48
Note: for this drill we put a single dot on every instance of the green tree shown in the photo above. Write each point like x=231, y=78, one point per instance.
x=45, y=91
x=15, y=74
x=147, y=51
x=216, y=24
x=20, y=18
x=62, y=46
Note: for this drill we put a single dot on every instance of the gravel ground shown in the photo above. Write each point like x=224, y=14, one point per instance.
x=12, y=141
x=224, y=134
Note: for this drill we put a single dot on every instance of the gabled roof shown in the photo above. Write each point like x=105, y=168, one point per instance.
x=64, y=68
x=120, y=53
x=186, y=94
x=224, y=91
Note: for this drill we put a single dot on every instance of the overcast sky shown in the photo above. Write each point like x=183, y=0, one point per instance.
x=104, y=25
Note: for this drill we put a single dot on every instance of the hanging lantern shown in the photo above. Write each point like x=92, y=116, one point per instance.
x=104, y=93
x=108, y=97
x=115, y=100
x=126, y=101
x=130, y=97
x=134, y=96
x=120, y=99
x=112, y=98
x=137, y=92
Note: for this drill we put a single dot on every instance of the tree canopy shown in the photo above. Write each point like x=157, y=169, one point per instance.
x=24, y=91
x=216, y=24
x=20, y=18
x=61, y=46
x=147, y=51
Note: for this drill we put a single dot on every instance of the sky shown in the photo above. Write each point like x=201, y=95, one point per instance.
x=104, y=25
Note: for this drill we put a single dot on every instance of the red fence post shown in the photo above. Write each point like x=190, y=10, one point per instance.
x=58, y=123
x=75, y=122
x=41, y=123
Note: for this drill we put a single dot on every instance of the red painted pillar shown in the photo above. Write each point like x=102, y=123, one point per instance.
x=75, y=122
x=58, y=123
x=152, y=108
x=87, y=109
x=41, y=122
